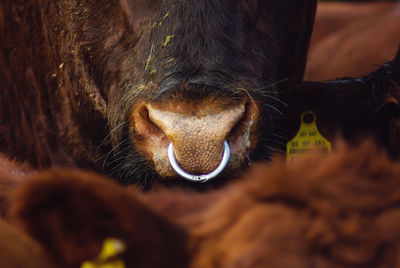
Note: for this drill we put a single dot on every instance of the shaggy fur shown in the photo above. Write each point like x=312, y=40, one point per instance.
x=71, y=213
x=17, y=250
x=338, y=210
x=11, y=175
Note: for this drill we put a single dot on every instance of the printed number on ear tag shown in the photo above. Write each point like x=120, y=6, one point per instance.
x=307, y=138
x=108, y=257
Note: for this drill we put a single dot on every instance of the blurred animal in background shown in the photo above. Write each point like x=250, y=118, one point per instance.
x=330, y=210
x=18, y=249
x=333, y=16
x=352, y=39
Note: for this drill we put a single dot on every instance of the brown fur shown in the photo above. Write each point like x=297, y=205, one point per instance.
x=338, y=210
x=68, y=72
x=52, y=113
x=71, y=213
x=73, y=71
x=356, y=49
x=11, y=175
x=333, y=16
x=17, y=250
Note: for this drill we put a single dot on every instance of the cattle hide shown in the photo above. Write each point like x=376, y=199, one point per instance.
x=71, y=213
x=356, y=49
x=11, y=174
x=18, y=250
x=332, y=16
x=332, y=210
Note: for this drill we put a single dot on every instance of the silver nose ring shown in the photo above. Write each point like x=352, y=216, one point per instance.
x=203, y=177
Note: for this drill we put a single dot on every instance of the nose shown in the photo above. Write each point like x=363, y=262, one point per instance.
x=197, y=136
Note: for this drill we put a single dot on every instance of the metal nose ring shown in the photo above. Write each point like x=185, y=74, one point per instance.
x=203, y=177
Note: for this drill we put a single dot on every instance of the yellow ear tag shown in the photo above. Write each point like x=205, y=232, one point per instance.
x=107, y=258
x=308, y=137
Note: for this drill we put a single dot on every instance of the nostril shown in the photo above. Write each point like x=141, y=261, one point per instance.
x=244, y=124
x=239, y=125
x=144, y=127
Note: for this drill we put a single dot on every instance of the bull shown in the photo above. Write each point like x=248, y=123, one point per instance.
x=145, y=90
x=110, y=85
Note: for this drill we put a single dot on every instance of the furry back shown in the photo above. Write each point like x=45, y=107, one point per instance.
x=338, y=210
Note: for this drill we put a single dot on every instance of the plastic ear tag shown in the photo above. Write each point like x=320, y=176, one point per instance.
x=307, y=138
x=108, y=257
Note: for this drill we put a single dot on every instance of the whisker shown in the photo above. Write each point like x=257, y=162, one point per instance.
x=113, y=149
x=272, y=107
x=115, y=160
x=273, y=141
x=248, y=94
x=279, y=136
x=109, y=134
x=98, y=159
x=104, y=155
x=116, y=171
x=272, y=85
x=275, y=98
x=273, y=149
x=265, y=93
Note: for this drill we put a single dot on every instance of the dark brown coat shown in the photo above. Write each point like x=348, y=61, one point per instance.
x=18, y=250
x=356, y=49
x=338, y=210
x=71, y=213
x=333, y=16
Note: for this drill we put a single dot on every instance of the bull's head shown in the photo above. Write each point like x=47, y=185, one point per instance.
x=200, y=77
